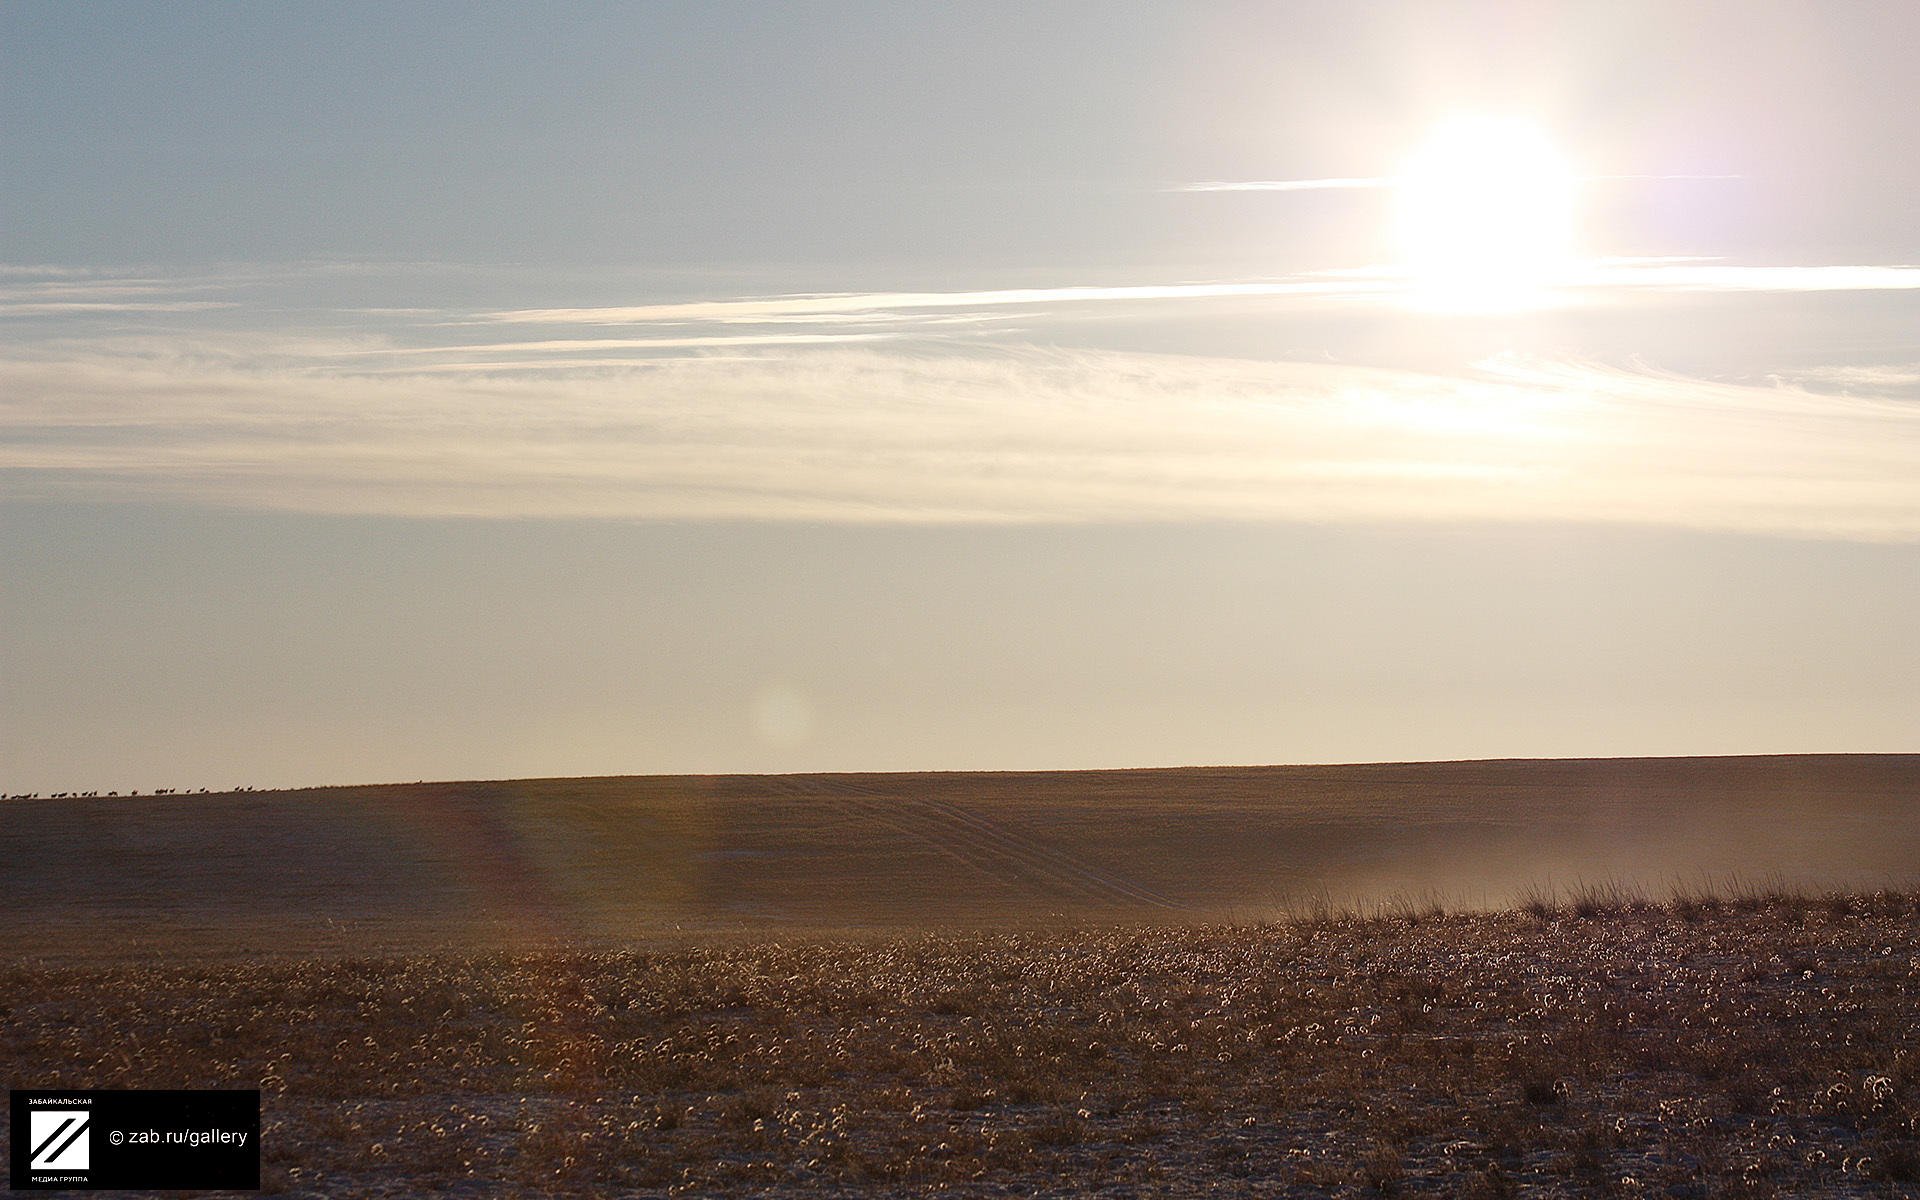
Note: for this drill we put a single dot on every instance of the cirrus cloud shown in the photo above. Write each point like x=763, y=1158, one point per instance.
x=991, y=435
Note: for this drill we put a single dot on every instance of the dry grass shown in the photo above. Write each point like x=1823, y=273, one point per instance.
x=1723, y=1044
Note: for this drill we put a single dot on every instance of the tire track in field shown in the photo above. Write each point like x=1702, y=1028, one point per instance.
x=860, y=808
x=990, y=846
x=1115, y=885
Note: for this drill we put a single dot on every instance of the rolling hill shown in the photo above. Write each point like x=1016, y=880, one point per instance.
x=353, y=868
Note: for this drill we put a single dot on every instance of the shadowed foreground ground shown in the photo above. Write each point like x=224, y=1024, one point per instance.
x=1760, y=1048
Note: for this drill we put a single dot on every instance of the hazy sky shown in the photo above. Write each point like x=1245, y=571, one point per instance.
x=449, y=391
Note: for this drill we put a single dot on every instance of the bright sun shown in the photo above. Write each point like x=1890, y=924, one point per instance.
x=1486, y=216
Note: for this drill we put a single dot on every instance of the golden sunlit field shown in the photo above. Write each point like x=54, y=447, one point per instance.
x=1692, y=977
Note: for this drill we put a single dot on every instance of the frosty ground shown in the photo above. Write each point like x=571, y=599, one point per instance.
x=1749, y=1045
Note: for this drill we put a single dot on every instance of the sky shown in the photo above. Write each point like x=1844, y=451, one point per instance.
x=423, y=391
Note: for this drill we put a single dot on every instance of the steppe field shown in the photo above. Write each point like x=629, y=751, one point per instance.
x=1674, y=977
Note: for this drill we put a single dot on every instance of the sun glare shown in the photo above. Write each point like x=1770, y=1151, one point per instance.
x=1486, y=213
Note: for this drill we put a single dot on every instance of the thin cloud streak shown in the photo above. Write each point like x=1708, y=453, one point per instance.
x=1732, y=278
x=569, y=345
x=481, y=366
x=67, y=308
x=1363, y=183
x=1891, y=380
x=1288, y=185
x=1680, y=273
x=838, y=305
x=1658, y=178
x=29, y=271
x=1382, y=284
x=1002, y=436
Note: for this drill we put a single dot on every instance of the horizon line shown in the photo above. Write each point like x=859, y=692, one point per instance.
x=184, y=793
